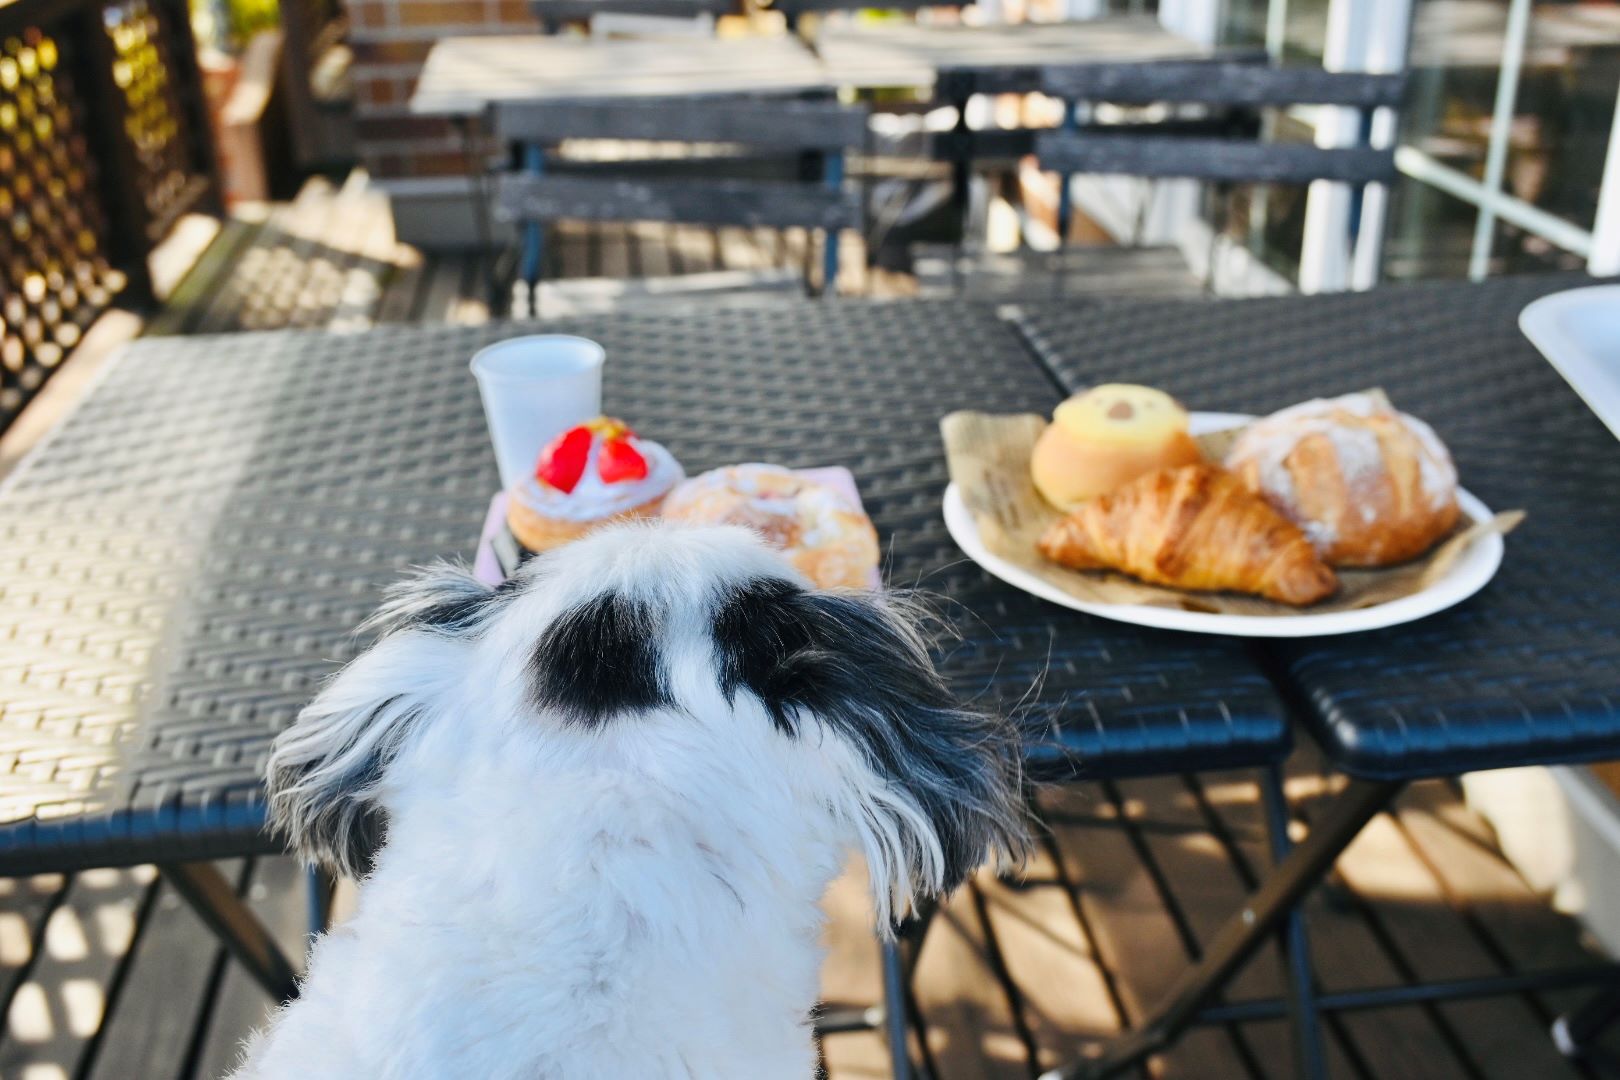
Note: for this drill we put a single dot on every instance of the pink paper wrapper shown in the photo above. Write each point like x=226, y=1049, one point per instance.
x=487, y=568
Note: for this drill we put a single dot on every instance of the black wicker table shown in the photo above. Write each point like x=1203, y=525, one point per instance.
x=188, y=554
x=1527, y=672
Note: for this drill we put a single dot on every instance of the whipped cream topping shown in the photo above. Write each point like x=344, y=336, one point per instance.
x=592, y=498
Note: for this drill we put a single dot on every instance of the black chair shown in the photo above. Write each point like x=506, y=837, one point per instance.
x=788, y=172
x=1221, y=142
x=1225, y=146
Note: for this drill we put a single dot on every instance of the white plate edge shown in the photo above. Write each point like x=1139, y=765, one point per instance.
x=1538, y=321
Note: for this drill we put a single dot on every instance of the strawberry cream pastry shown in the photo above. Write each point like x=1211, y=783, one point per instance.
x=587, y=476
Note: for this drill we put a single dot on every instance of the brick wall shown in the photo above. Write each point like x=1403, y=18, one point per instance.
x=390, y=40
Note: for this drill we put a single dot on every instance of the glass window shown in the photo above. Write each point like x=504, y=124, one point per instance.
x=1430, y=233
x=1565, y=109
x=1556, y=142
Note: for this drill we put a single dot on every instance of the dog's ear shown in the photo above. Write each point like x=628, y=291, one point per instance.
x=935, y=790
x=325, y=770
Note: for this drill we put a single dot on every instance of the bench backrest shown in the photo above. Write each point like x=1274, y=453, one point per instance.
x=1218, y=84
x=825, y=130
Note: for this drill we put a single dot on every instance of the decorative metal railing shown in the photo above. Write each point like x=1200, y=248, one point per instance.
x=103, y=145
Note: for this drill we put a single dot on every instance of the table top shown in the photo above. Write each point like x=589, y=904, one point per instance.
x=463, y=75
x=913, y=55
x=187, y=555
x=1528, y=671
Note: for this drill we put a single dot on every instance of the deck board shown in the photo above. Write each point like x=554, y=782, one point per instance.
x=1207, y=888
x=1134, y=934
x=276, y=894
x=1063, y=986
x=1345, y=953
x=1045, y=963
x=969, y=1024
x=56, y=1014
x=167, y=992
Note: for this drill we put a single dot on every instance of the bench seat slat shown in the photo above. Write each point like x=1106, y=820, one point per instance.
x=1211, y=159
x=1220, y=83
x=709, y=202
x=801, y=125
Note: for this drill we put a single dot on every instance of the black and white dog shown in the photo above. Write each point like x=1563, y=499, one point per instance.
x=596, y=809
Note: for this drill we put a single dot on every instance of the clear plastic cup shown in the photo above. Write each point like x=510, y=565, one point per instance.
x=534, y=389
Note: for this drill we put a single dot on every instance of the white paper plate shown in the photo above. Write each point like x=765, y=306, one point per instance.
x=1466, y=577
x=1579, y=333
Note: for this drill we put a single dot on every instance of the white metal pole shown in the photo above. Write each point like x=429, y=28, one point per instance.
x=1496, y=151
x=1605, y=257
x=1388, y=47
x=1276, y=28
x=1260, y=194
x=1324, y=258
x=1532, y=219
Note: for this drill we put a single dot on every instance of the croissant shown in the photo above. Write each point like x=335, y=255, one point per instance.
x=1195, y=527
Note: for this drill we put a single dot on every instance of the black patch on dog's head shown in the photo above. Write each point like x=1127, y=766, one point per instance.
x=762, y=638
x=600, y=659
x=858, y=664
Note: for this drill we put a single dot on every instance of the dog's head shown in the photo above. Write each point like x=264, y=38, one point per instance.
x=701, y=634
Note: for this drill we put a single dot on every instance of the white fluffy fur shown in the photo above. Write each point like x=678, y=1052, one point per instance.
x=562, y=902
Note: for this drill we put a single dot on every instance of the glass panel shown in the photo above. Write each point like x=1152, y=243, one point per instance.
x=1518, y=252
x=1430, y=233
x=1557, y=140
x=1243, y=22
x=1455, y=56
x=1565, y=109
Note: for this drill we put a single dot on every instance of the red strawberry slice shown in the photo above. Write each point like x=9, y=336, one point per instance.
x=620, y=462
x=562, y=462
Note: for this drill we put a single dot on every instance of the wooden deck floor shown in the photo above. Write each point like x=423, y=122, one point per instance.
x=107, y=974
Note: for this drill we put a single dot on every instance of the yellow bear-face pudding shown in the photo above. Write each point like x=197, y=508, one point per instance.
x=1106, y=437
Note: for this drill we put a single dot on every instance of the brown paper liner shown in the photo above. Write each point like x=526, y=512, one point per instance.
x=989, y=462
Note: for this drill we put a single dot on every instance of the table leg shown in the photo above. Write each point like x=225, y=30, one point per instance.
x=895, y=1007
x=213, y=899
x=961, y=184
x=318, y=885
x=1241, y=937
x=1574, y=1030
x=1296, y=949
x=478, y=174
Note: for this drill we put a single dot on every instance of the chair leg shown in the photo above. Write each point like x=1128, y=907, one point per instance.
x=1574, y=1031
x=318, y=886
x=1292, y=939
x=832, y=175
x=1244, y=934
x=896, y=1010
x=213, y=899
x=478, y=173
x=531, y=255
x=899, y=962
